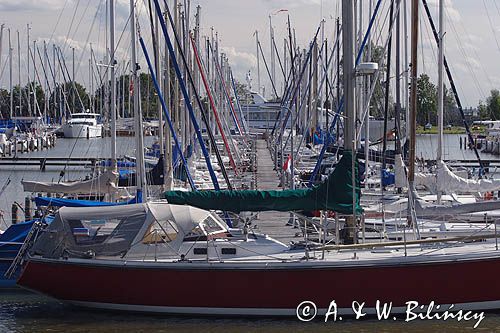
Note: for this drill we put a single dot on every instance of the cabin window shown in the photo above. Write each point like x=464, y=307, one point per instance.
x=93, y=231
x=211, y=226
x=161, y=232
x=200, y=250
x=228, y=250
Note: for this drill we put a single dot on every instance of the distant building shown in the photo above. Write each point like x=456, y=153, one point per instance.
x=471, y=114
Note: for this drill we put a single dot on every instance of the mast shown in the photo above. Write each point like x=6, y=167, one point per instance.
x=440, y=114
x=28, y=70
x=159, y=75
x=73, y=79
x=258, y=61
x=168, y=136
x=397, y=108
x=19, y=70
x=11, y=88
x=413, y=107
x=140, y=173
x=35, y=73
x=367, y=86
x=349, y=103
x=112, y=87
x=1, y=40
x=386, y=102
x=406, y=69
x=348, y=56
x=271, y=38
x=46, y=92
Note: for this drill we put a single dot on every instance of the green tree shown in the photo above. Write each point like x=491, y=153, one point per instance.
x=493, y=104
x=4, y=103
x=377, y=101
x=451, y=113
x=426, y=101
x=484, y=114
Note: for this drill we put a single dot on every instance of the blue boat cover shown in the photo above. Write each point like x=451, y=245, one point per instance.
x=61, y=202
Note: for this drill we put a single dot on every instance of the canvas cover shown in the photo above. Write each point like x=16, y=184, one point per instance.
x=112, y=231
x=104, y=183
x=335, y=194
x=62, y=202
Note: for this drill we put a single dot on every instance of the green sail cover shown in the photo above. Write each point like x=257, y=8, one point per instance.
x=334, y=194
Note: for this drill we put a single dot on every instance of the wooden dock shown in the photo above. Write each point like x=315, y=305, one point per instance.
x=43, y=162
x=272, y=223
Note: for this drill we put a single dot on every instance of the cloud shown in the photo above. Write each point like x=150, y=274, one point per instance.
x=240, y=62
x=30, y=5
x=451, y=12
x=291, y=3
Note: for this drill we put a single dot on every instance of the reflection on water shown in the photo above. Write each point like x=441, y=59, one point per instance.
x=25, y=312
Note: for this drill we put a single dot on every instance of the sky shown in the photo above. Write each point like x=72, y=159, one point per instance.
x=472, y=38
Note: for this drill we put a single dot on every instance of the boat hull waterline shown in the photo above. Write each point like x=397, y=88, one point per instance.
x=261, y=290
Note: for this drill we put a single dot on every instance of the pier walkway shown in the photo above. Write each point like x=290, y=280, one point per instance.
x=271, y=223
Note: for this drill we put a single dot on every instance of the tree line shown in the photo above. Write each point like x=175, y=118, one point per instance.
x=73, y=97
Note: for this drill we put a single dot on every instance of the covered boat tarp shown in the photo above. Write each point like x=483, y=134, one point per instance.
x=108, y=231
x=16, y=233
x=335, y=194
x=104, y=183
x=62, y=202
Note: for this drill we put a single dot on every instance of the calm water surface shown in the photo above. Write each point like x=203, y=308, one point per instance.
x=25, y=312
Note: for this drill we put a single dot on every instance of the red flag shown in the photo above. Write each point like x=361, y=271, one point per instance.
x=287, y=167
x=131, y=87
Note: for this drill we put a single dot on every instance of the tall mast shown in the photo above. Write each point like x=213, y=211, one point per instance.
x=32, y=55
x=140, y=172
x=440, y=114
x=406, y=68
x=73, y=79
x=367, y=86
x=397, y=108
x=168, y=135
x=11, y=87
x=1, y=40
x=349, y=102
x=413, y=106
x=348, y=56
x=271, y=38
x=258, y=60
x=159, y=75
x=46, y=85
x=19, y=71
x=112, y=63
x=28, y=69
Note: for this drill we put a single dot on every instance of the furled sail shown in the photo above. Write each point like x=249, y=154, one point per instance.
x=104, y=183
x=449, y=182
x=430, y=210
x=445, y=180
x=335, y=194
